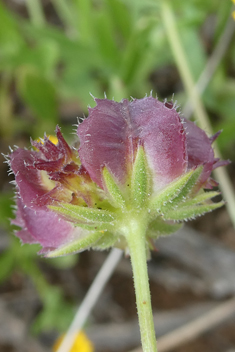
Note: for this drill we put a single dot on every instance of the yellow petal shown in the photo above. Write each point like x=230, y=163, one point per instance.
x=53, y=139
x=81, y=343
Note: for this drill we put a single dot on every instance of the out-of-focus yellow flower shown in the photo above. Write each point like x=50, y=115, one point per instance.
x=53, y=139
x=81, y=344
x=233, y=13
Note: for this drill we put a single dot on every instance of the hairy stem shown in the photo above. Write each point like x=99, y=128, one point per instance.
x=137, y=246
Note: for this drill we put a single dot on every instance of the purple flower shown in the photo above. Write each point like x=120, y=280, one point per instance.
x=64, y=197
x=43, y=177
x=44, y=227
x=112, y=132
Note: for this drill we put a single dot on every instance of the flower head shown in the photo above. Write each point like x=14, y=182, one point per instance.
x=136, y=158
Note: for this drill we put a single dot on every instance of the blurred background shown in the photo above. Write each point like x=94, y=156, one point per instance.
x=55, y=55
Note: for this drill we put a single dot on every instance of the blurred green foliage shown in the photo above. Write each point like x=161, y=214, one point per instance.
x=57, y=54
x=110, y=46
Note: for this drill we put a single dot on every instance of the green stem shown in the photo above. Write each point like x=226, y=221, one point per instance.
x=181, y=61
x=200, y=112
x=36, y=12
x=64, y=10
x=135, y=235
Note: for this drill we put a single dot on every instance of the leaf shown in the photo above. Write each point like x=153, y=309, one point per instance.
x=121, y=17
x=77, y=213
x=139, y=180
x=191, y=212
x=176, y=192
x=85, y=56
x=134, y=57
x=193, y=49
x=38, y=93
x=7, y=263
x=77, y=246
x=43, y=57
x=159, y=227
x=76, y=81
x=201, y=198
x=10, y=38
x=6, y=205
x=106, y=242
x=113, y=189
x=83, y=12
x=186, y=190
x=56, y=313
x=105, y=41
x=93, y=226
x=64, y=263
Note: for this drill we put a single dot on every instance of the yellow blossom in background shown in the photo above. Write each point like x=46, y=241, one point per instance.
x=53, y=139
x=81, y=344
x=233, y=13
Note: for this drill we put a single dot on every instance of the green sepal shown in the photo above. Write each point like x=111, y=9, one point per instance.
x=176, y=192
x=113, y=189
x=77, y=246
x=139, y=180
x=77, y=213
x=186, y=190
x=159, y=227
x=191, y=212
x=104, y=226
x=106, y=241
x=200, y=199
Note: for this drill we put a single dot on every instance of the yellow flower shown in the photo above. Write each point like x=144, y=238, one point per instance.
x=233, y=13
x=53, y=139
x=81, y=344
